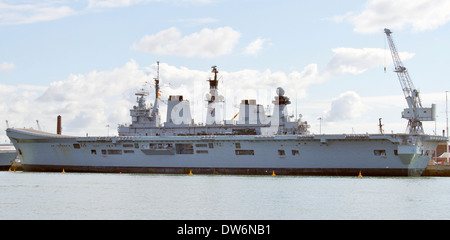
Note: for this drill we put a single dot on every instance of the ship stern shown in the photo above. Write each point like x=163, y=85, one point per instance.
x=418, y=153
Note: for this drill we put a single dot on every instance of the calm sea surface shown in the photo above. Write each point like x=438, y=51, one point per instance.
x=25, y=195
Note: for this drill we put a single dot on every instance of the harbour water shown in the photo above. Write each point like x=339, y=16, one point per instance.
x=25, y=195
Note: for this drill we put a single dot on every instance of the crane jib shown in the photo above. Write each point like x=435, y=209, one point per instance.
x=415, y=113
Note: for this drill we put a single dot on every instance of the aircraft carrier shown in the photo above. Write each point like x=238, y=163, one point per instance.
x=7, y=155
x=257, y=143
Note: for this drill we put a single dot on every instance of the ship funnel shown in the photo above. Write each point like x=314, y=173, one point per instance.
x=58, y=125
x=178, y=111
x=251, y=113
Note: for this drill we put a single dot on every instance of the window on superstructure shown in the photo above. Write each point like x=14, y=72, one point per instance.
x=379, y=152
x=94, y=152
x=184, y=148
x=202, y=151
x=295, y=152
x=201, y=145
x=245, y=152
x=211, y=145
x=281, y=153
x=159, y=146
x=238, y=145
x=115, y=151
x=76, y=146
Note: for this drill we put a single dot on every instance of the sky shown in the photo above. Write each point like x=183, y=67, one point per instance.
x=85, y=59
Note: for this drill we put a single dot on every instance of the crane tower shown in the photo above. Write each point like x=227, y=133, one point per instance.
x=415, y=113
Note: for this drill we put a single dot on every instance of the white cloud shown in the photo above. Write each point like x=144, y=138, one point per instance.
x=7, y=66
x=196, y=21
x=255, y=47
x=357, y=61
x=27, y=12
x=115, y=3
x=87, y=102
x=207, y=43
x=24, y=13
x=419, y=15
x=90, y=100
x=198, y=1
x=347, y=106
x=16, y=104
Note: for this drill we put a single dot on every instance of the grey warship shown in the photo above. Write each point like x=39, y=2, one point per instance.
x=257, y=143
x=7, y=155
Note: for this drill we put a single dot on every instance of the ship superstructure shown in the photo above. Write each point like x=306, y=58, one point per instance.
x=146, y=120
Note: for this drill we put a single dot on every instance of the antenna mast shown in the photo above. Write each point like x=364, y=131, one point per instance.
x=157, y=76
x=155, y=106
x=380, y=125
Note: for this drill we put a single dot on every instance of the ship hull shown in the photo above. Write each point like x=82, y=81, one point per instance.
x=7, y=156
x=331, y=155
x=225, y=171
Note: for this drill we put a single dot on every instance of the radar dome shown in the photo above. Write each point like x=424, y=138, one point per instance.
x=280, y=91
